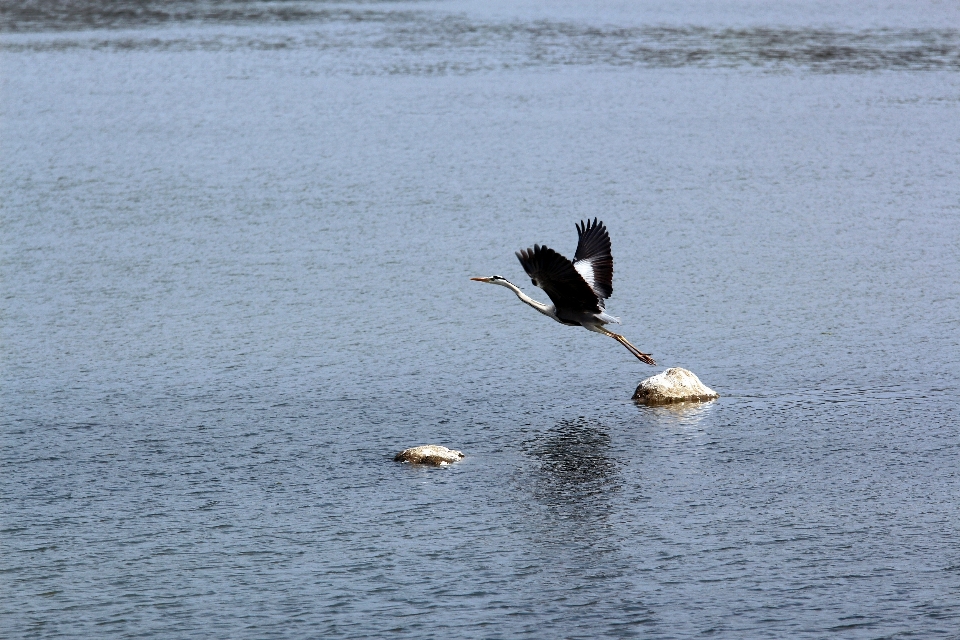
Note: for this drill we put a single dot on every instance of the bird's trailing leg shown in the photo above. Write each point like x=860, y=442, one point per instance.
x=640, y=355
x=643, y=357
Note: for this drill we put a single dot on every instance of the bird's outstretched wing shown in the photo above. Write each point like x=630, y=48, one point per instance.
x=593, y=260
x=557, y=276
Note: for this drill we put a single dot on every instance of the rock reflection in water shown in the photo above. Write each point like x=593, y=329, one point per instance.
x=577, y=472
x=682, y=415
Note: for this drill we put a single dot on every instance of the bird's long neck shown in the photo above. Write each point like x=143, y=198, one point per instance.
x=545, y=309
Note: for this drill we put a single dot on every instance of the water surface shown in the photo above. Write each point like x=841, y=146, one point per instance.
x=236, y=243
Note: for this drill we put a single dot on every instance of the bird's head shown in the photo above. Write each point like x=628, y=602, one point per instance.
x=493, y=280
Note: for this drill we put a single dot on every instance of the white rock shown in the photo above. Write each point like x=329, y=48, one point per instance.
x=673, y=385
x=428, y=454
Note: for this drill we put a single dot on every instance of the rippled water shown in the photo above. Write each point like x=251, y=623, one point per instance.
x=236, y=243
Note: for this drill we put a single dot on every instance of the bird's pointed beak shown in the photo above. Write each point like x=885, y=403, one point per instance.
x=481, y=279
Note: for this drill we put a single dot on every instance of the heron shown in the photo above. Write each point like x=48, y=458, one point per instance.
x=577, y=289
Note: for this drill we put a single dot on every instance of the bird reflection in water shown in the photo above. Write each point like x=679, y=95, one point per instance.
x=577, y=472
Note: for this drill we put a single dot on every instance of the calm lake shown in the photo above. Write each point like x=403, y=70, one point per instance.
x=237, y=239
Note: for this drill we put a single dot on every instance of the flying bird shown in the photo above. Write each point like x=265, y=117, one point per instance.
x=577, y=289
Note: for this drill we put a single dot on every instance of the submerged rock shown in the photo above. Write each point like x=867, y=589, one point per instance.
x=674, y=385
x=428, y=454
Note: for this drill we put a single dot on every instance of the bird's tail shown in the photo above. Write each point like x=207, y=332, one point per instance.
x=606, y=318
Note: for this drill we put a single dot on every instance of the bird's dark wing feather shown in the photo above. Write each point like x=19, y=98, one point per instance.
x=593, y=260
x=555, y=274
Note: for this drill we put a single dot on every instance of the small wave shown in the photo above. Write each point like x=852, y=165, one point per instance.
x=416, y=42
